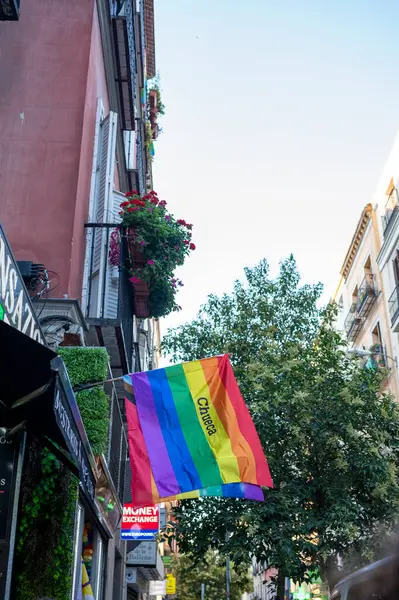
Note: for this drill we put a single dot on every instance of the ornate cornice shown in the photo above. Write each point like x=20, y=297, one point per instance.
x=356, y=240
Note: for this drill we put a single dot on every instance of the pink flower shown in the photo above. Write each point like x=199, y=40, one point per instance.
x=167, y=217
x=162, y=203
x=150, y=262
x=134, y=279
x=142, y=243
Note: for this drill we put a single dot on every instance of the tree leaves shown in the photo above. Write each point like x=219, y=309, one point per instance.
x=330, y=437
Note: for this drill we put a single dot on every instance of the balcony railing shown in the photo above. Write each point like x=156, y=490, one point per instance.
x=389, y=218
x=109, y=295
x=366, y=296
x=118, y=448
x=125, y=50
x=393, y=304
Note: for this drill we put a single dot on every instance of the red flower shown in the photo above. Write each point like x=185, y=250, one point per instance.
x=189, y=226
x=121, y=212
x=182, y=222
x=133, y=209
x=186, y=242
x=137, y=202
x=192, y=246
x=162, y=203
x=154, y=201
x=133, y=193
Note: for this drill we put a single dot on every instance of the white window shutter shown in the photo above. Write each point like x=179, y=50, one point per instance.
x=112, y=279
x=103, y=212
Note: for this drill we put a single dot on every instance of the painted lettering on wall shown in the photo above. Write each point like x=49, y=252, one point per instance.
x=15, y=306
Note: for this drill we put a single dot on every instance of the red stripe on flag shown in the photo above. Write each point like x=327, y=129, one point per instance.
x=245, y=422
x=139, y=461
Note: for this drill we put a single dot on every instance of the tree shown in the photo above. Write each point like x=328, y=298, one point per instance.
x=211, y=571
x=330, y=437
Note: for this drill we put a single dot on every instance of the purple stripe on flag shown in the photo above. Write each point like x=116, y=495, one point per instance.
x=161, y=466
x=253, y=492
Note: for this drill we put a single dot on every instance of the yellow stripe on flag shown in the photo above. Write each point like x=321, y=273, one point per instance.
x=211, y=425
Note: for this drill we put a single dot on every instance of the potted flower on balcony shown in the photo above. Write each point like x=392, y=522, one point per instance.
x=157, y=245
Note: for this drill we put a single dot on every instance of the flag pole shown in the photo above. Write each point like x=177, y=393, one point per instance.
x=202, y=591
x=88, y=386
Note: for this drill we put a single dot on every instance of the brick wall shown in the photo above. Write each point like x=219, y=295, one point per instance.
x=149, y=37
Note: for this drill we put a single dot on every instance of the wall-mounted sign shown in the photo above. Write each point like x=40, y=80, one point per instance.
x=139, y=523
x=71, y=426
x=170, y=585
x=162, y=518
x=142, y=554
x=15, y=305
x=8, y=457
x=157, y=588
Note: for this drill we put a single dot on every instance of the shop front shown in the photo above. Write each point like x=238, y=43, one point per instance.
x=37, y=402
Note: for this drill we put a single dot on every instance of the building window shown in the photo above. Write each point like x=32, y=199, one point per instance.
x=391, y=206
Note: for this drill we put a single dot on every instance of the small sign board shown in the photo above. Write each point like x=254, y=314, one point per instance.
x=301, y=594
x=142, y=554
x=162, y=518
x=157, y=588
x=139, y=523
x=170, y=584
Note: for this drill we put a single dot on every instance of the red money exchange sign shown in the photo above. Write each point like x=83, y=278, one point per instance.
x=139, y=523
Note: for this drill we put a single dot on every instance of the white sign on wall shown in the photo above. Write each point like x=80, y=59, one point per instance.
x=143, y=554
x=157, y=588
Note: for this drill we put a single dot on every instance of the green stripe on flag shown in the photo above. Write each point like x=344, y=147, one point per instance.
x=197, y=444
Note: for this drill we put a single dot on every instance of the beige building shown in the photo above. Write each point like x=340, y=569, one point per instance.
x=363, y=314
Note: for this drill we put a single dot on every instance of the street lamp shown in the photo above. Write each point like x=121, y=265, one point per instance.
x=361, y=353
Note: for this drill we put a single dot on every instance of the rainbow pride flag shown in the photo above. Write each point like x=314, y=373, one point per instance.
x=191, y=435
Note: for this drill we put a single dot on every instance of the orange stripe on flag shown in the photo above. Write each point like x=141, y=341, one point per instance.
x=228, y=417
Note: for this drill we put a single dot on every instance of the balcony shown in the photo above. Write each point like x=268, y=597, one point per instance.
x=393, y=305
x=389, y=219
x=360, y=309
x=118, y=447
x=125, y=51
x=108, y=300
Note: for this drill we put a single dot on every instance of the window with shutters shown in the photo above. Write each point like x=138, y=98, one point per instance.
x=98, y=273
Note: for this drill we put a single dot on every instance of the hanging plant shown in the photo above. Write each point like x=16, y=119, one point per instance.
x=158, y=244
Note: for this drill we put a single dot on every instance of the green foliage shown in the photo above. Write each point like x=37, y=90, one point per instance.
x=164, y=243
x=49, y=491
x=155, y=84
x=44, y=550
x=330, y=437
x=85, y=364
x=149, y=142
x=211, y=571
x=90, y=365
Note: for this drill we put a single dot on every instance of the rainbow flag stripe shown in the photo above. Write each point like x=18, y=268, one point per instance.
x=191, y=433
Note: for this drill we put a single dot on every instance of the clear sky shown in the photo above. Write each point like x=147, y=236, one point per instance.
x=280, y=116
